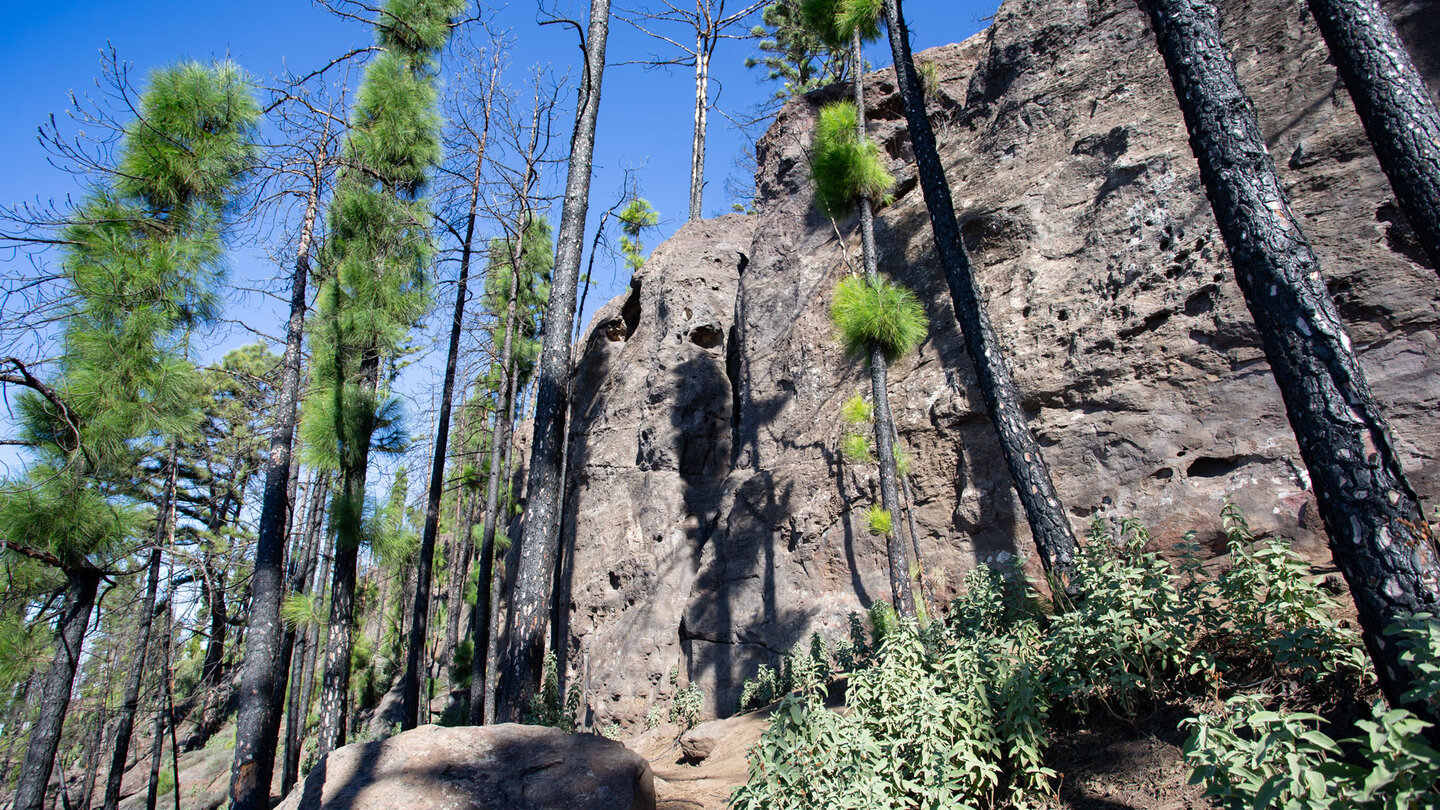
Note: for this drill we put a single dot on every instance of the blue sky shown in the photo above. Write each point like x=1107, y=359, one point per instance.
x=50, y=50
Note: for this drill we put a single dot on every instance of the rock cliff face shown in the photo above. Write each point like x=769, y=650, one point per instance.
x=713, y=523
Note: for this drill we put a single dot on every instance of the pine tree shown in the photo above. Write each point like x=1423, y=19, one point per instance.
x=516, y=290
x=793, y=53
x=1378, y=531
x=374, y=291
x=419, y=627
x=1054, y=538
x=637, y=216
x=263, y=671
x=143, y=254
x=877, y=319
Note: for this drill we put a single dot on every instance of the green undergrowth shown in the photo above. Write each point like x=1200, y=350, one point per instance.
x=958, y=713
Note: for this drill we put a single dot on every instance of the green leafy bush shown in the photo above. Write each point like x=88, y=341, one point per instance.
x=957, y=714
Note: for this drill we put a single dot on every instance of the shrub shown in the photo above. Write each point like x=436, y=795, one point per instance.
x=956, y=714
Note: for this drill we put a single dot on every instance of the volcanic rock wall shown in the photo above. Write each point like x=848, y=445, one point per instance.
x=712, y=522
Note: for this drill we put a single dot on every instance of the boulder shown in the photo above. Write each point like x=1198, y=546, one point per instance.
x=502, y=767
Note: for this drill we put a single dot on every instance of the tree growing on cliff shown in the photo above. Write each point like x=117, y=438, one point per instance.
x=1054, y=538
x=374, y=290
x=877, y=319
x=637, y=216
x=519, y=666
x=143, y=254
x=1378, y=531
x=793, y=53
x=1394, y=105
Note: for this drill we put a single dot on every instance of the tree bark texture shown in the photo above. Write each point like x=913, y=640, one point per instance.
x=257, y=720
x=335, y=680
x=1054, y=539
x=1394, y=105
x=299, y=641
x=519, y=673
x=82, y=585
x=1377, y=530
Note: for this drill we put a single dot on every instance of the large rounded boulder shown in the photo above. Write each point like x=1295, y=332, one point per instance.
x=479, y=768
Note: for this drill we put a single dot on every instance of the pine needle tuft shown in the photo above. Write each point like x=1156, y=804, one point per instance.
x=879, y=312
x=844, y=168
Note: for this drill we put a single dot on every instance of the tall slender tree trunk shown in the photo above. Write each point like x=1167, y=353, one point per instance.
x=419, y=629
x=305, y=637
x=895, y=543
x=459, y=578
x=1054, y=539
x=702, y=112
x=82, y=585
x=348, y=517
x=520, y=664
x=125, y=725
x=157, y=749
x=1394, y=105
x=499, y=441
x=258, y=719
x=1377, y=529
x=294, y=744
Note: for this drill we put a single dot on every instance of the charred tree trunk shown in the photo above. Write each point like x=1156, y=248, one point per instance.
x=157, y=748
x=1054, y=539
x=499, y=441
x=419, y=629
x=1377, y=531
x=519, y=668
x=459, y=578
x=304, y=638
x=295, y=738
x=82, y=585
x=1394, y=104
x=126, y=720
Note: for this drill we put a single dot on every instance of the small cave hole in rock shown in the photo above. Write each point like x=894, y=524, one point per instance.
x=1211, y=467
x=708, y=336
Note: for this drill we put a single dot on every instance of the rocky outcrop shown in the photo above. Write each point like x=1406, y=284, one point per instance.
x=502, y=767
x=713, y=523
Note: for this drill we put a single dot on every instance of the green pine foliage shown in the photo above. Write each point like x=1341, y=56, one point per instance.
x=879, y=520
x=877, y=311
x=143, y=257
x=856, y=411
x=843, y=167
x=792, y=53
x=835, y=21
x=636, y=216
x=857, y=448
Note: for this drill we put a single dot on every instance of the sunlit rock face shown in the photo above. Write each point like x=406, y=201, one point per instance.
x=712, y=521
